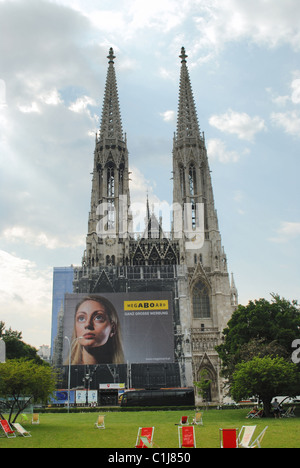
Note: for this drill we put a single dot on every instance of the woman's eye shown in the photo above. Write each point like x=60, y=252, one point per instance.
x=99, y=318
x=81, y=318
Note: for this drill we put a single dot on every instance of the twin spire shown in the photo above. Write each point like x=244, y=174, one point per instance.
x=111, y=124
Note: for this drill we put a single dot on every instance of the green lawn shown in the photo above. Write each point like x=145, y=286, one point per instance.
x=73, y=430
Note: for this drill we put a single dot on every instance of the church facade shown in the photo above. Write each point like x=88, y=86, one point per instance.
x=189, y=261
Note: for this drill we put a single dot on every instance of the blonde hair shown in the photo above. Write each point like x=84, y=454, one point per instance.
x=114, y=344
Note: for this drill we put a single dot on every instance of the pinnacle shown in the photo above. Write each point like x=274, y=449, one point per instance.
x=111, y=55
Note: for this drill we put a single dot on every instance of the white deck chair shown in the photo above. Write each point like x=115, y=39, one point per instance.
x=99, y=424
x=20, y=429
x=35, y=418
x=198, y=419
x=245, y=436
x=257, y=442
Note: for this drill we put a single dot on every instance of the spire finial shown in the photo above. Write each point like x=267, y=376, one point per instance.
x=111, y=55
x=183, y=55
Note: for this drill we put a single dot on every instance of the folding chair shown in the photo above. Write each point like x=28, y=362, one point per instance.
x=24, y=417
x=21, y=431
x=99, y=424
x=228, y=438
x=289, y=412
x=35, y=418
x=259, y=414
x=257, y=442
x=7, y=429
x=245, y=436
x=183, y=420
x=186, y=437
x=198, y=419
x=144, y=437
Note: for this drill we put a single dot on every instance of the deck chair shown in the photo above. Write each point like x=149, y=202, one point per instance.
x=228, y=438
x=24, y=417
x=7, y=429
x=186, y=437
x=245, y=436
x=289, y=412
x=35, y=418
x=144, y=437
x=20, y=430
x=259, y=414
x=198, y=419
x=99, y=424
x=257, y=442
x=183, y=420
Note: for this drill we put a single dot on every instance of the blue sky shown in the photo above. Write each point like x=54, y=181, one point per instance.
x=243, y=59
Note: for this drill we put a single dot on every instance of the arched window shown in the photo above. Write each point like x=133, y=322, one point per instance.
x=110, y=180
x=193, y=190
x=110, y=196
x=182, y=180
x=201, y=305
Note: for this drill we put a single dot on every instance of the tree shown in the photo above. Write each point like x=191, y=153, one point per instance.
x=203, y=385
x=270, y=327
x=23, y=382
x=264, y=377
x=15, y=347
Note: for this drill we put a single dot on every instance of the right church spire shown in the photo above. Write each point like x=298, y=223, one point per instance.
x=187, y=122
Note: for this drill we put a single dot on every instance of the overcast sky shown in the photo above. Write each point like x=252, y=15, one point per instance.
x=243, y=59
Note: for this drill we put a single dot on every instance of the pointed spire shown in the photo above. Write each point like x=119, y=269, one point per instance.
x=111, y=124
x=187, y=121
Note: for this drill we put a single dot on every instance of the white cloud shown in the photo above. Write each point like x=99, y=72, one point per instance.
x=217, y=150
x=25, y=298
x=27, y=235
x=289, y=121
x=287, y=232
x=168, y=116
x=240, y=124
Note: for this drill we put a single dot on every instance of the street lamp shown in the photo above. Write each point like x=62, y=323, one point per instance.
x=69, y=372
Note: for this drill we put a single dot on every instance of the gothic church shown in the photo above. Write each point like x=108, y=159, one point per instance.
x=189, y=261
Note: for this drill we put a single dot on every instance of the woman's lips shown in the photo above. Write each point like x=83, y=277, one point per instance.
x=89, y=336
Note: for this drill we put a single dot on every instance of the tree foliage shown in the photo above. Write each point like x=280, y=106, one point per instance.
x=15, y=347
x=264, y=377
x=23, y=382
x=261, y=327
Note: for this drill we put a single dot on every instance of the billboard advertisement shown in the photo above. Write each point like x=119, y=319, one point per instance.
x=118, y=328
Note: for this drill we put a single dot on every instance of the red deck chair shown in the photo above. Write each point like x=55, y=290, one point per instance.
x=184, y=420
x=144, y=437
x=186, y=436
x=7, y=429
x=229, y=438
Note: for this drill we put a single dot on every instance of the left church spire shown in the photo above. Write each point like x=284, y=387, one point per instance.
x=110, y=184
x=111, y=123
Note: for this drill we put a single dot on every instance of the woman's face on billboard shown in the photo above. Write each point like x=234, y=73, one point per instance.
x=92, y=324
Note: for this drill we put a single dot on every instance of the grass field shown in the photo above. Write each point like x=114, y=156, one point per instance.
x=76, y=430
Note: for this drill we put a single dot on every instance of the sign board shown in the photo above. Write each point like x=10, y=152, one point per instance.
x=119, y=328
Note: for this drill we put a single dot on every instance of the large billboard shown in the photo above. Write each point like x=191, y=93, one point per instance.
x=118, y=328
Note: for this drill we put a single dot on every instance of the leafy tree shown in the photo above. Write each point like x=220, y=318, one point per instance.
x=260, y=328
x=264, y=377
x=203, y=385
x=24, y=382
x=15, y=347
